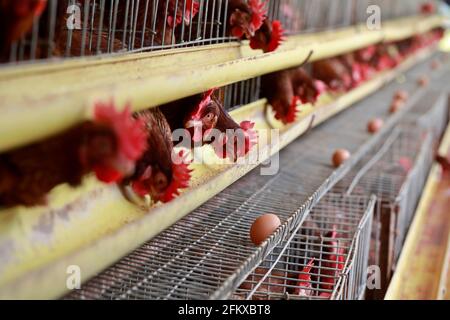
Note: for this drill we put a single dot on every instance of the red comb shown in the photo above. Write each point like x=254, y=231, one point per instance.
x=258, y=12
x=181, y=174
x=223, y=149
x=251, y=137
x=304, y=280
x=289, y=117
x=188, y=14
x=131, y=133
x=192, y=8
x=276, y=37
x=206, y=99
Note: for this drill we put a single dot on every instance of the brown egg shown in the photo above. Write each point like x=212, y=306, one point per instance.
x=263, y=227
x=423, y=81
x=402, y=95
x=396, y=105
x=375, y=125
x=340, y=156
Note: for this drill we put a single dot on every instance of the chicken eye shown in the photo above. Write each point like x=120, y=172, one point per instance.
x=160, y=181
x=209, y=116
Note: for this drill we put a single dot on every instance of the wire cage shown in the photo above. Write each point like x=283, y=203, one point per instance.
x=389, y=9
x=208, y=253
x=70, y=28
x=434, y=119
x=284, y=274
x=395, y=173
x=240, y=93
x=299, y=16
x=190, y=260
x=76, y=28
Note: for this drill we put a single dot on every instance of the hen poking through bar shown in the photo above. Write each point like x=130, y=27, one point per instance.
x=161, y=172
x=108, y=145
x=205, y=121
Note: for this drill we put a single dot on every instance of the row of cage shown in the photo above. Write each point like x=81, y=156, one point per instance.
x=74, y=28
x=208, y=253
x=325, y=259
x=395, y=173
x=365, y=234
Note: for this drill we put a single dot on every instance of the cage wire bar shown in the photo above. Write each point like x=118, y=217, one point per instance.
x=435, y=119
x=208, y=253
x=240, y=93
x=396, y=174
x=77, y=28
x=277, y=277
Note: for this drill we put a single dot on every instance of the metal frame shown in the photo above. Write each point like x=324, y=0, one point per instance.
x=60, y=94
x=126, y=232
x=405, y=285
x=141, y=25
x=397, y=190
x=351, y=217
x=221, y=224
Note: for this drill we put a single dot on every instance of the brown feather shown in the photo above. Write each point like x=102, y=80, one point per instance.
x=28, y=173
x=159, y=144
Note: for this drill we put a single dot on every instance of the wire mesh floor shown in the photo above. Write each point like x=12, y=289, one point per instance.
x=208, y=253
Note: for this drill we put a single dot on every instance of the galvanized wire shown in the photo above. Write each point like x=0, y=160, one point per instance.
x=396, y=185
x=114, y=26
x=387, y=175
x=208, y=253
x=277, y=276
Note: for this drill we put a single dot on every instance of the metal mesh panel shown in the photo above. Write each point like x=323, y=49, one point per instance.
x=241, y=93
x=208, y=253
x=396, y=173
x=277, y=277
x=435, y=119
x=121, y=25
x=389, y=9
x=73, y=28
x=309, y=16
